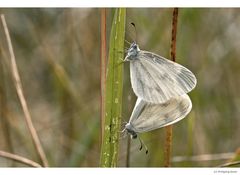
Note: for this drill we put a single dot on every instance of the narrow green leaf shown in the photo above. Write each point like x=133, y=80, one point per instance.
x=114, y=86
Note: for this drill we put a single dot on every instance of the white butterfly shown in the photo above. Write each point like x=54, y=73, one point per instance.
x=148, y=116
x=156, y=79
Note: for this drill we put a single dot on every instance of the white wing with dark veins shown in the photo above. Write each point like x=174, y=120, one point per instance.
x=146, y=116
x=156, y=79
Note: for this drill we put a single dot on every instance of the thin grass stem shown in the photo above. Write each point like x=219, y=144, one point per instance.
x=18, y=85
x=169, y=132
x=103, y=67
x=18, y=158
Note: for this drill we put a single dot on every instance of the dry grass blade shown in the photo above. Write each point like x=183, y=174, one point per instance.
x=168, y=141
x=203, y=157
x=230, y=164
x=168, y=146
x=23, y=102
x=103, y=66
x=128, y=152
x=19, y=159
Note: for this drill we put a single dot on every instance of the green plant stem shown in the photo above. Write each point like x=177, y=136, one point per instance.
x=114, y=87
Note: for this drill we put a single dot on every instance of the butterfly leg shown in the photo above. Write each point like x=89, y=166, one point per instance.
x=143, y=145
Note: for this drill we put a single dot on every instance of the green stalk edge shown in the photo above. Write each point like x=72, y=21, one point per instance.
x=114, y=88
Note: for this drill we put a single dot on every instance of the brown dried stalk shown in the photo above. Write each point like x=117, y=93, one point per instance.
x=20, y=159
x=168, y=141
x=103, y=66
x=230, y=164
x=22, y=99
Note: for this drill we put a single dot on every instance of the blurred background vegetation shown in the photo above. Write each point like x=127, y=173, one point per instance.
x=58, y=56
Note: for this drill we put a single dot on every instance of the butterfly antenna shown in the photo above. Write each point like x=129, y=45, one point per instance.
x=129, y=35
x=142, y=145
x=135, y=29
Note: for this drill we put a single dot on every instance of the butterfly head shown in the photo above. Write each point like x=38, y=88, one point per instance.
x=130, y=130
x=132, y=52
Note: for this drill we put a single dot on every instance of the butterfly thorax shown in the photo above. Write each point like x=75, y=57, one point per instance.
x=132, y=52
x=130, y=130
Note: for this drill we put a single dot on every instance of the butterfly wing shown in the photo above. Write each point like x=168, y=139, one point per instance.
x=156, y=79
x=146, y=116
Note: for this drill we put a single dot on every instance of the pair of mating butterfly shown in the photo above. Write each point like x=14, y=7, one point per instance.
x=161, y=87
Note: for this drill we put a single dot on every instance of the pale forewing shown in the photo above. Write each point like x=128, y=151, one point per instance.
x=146, y=116
x=156, y=79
